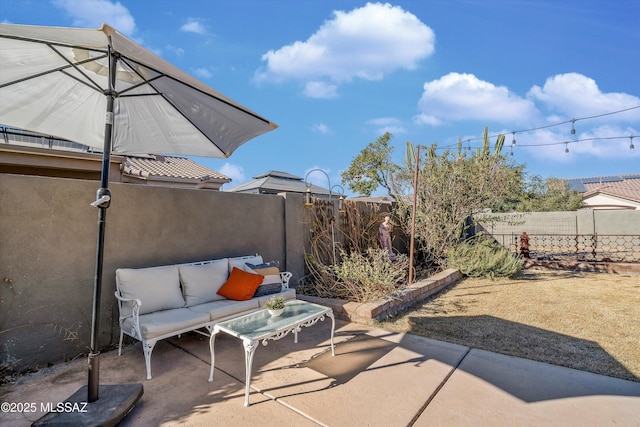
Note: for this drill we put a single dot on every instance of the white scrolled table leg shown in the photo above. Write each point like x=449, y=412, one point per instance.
x=249, y=351
x=212, y=341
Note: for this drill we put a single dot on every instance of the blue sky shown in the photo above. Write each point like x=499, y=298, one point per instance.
x=335, y=75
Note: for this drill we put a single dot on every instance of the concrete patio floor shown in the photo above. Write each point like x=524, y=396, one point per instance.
x=377, y=378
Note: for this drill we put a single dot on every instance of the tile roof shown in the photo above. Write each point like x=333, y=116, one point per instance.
x=278, y=174
x=277, y=182
x=170, y=167
x=624, y=186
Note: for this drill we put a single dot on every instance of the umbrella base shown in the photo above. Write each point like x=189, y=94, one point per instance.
x=115, y=402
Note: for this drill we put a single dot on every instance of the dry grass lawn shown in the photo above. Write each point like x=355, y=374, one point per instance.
x=586, y=321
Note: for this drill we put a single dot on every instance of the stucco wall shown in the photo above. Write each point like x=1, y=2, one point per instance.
x=48, y=245
x=583, y=221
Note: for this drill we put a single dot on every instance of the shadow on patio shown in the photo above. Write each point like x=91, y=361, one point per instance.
x=376, y=378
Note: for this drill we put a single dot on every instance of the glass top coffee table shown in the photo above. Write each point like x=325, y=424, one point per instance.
x=259, y=326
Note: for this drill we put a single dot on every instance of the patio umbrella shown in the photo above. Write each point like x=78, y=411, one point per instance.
x=98, y=88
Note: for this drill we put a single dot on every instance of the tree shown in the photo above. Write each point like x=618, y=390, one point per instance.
x=550, y=195
x=451, y=189
x=372, y=168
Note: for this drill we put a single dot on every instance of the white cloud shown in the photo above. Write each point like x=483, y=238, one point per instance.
x=600, y=145
x=194, y=25
x=203, y=73
x=235, y=172
x=93, y=13
x=177, y=51
x=425, y=119
x=575, y=95
x=456, y=97
x=320, y=90
x=387, y=124
x=362, y=43
x=321, y=128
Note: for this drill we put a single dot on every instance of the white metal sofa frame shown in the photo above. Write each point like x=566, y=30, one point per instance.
x=149, y=344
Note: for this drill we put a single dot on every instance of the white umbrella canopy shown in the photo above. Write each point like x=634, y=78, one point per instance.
x=100, y=89
x=54, y=80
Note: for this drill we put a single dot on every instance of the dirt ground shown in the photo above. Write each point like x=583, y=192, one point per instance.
x=582, y=320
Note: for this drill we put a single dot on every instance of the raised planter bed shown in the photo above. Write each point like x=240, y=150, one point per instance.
x=369, y=313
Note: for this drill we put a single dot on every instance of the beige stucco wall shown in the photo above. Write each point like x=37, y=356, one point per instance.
x=605, y=201
x=48, y=245
x=583, y=221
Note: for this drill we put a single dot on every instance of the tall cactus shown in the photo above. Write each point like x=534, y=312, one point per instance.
x=499, y=145
x=486, y=144
x=431, y=152
x=411, y=155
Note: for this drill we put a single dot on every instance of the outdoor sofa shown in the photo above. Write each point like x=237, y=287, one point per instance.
x=161, y=302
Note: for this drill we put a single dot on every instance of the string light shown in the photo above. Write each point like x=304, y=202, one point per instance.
x=631, y=147
x=572, y=121
x=573, y=129
x=566, y=148
x=513, y=142
x=547, y=144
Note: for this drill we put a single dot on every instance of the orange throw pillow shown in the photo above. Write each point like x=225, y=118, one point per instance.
x=240, y=286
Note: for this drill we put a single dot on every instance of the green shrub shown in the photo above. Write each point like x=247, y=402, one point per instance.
x=359, y=277
x=484, y=257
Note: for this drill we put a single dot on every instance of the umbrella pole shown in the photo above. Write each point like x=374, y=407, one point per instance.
x=103, y=198
x=117, y=400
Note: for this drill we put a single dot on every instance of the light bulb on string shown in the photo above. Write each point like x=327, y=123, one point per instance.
x=566, y=148
x=631, y=147
x=573, y=129
x=514, y=140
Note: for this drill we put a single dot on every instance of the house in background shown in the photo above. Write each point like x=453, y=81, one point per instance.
x=608, y=192
x=27, y=153
x=274, y=182
x=171, y=171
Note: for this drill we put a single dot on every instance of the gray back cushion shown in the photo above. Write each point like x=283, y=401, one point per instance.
x=202, y=282
x=157, y=287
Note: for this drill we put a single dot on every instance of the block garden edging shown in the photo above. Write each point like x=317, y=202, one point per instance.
x=369, y=313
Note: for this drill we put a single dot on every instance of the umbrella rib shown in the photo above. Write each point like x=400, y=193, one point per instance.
x=48, y=43
x=97, y=86
x=23, y=79
x=60, y=69
x=144, y=82
x=161, y=74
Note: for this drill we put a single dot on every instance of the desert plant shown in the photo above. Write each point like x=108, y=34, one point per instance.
x=359, y=277
x=275, y=303
x=484, y=257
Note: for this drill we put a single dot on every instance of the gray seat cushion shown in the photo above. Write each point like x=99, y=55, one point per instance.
x=163, y=322
x=225, y=308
